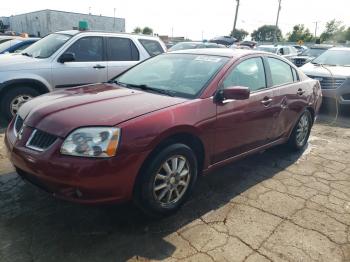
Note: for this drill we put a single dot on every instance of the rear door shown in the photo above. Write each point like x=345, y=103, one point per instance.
x=89, y=65
x=243, y=125
x=289, y=96
x=122, y=53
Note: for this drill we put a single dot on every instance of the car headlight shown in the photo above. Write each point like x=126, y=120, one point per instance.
x=92, y=142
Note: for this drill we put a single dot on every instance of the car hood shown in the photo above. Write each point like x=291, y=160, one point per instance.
x=11, y=62
x=61, y=112
x=316, y=70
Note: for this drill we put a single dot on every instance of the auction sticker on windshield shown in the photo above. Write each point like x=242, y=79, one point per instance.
x=208, y=59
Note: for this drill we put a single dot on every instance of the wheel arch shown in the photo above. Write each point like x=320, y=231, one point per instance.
x=33, y=83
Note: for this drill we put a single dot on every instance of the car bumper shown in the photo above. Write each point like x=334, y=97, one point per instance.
x=342, y=94
x=76, y=179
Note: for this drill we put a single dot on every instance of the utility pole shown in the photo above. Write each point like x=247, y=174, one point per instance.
x=235, y=22
x=316, y=24
x=276, y=27
x=114, y=26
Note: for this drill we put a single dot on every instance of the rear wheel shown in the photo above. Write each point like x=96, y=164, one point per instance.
x=14, y=98
x=167, y=180
x=301, y=131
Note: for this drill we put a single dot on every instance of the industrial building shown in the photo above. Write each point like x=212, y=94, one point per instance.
x=43, y=22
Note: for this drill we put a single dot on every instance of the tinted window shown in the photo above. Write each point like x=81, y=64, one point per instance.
x=24, y=46
x=152, y=47
x=122, y=49
x=87, y=49
x=249, y=73
x=281, y=72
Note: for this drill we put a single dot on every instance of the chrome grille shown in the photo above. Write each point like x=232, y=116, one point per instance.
x=329, y=82
x=40, y=140
x=18, y=124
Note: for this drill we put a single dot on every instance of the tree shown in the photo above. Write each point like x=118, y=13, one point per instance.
x=334, y=31
x=239, y=34
x=266, y=33
x=300, y=33
x=137, y=30
x=147, y=30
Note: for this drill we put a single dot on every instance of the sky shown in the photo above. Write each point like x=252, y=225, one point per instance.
x=194, y=18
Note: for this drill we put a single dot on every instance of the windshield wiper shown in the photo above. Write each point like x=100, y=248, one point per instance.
x=147, y=88
x=26, y=54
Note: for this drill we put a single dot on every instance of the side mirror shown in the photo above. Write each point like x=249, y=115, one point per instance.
x=66, y=57
x=234, y=92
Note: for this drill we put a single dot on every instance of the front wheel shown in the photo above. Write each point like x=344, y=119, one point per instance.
x=301, y=131
x=14, y=98
x=167, y=180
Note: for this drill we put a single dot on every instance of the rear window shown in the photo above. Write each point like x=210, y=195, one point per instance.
x=152, y=47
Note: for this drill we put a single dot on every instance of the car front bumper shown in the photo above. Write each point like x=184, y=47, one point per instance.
x=76, y=179
x=342, y=94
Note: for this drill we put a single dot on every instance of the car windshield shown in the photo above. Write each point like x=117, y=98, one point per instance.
x=182, y=46
x=334, y=57
x=267, y=49
x=8, y=44
x=183, y=75
x=45, y=47
x=313, y=52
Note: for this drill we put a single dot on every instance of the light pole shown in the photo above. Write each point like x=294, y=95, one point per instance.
x=236, y=15
x=316, y=24
x=276, y=27
x=114, y=23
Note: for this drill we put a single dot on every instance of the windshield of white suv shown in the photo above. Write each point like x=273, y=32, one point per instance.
x=183, y=75
x=313, y=52
x=45, y=47
x=334, y=58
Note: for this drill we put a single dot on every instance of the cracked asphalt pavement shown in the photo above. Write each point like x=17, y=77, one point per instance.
x=274, y=206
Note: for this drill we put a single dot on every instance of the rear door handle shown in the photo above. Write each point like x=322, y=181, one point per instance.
x=300, y=92
x=266, y=101
x=99, y=67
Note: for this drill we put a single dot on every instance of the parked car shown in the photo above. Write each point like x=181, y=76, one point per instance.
x=194, y=45
x=4, y=38
x=300, y=48
x=16, y=45
x=332, y=69
x=150, y=131
x=285, y=51
x=309, y=54
x=66, y=59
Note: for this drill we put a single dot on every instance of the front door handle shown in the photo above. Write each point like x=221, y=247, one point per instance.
x=266, y=101
x=300, y=92
x=99, y=67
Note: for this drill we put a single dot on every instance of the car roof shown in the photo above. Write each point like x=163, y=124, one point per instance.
x=76, y=32
x=226, y=52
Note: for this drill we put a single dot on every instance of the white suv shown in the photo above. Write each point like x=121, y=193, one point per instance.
x=67, y=59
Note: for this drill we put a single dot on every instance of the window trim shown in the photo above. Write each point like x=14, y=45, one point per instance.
x=131, y=42
x=239, y=61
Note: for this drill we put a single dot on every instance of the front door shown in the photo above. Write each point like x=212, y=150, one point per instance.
x=243, y=125
x=89, y=65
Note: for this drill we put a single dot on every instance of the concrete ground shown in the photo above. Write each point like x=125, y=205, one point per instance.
x=275, y=206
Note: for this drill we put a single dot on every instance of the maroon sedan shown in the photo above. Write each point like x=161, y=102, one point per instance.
x=148, y=133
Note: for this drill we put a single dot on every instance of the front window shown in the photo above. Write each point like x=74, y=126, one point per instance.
x=313, y=52
x=87, y=49
x=334, y=58
x=47, y=46
x=6, y=45
x=184, y=75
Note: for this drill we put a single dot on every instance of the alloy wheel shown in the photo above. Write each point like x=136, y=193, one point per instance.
x=302, y=130
x=17, y=102
x=172, y=180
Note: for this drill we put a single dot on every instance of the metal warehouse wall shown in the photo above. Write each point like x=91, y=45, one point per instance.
x=47, y=21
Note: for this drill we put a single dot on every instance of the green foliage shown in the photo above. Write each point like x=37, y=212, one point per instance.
x=266, y=33
x=239, y=34
x=147, y=30
x=300, y=33
x=335, y=31
x=137, y=30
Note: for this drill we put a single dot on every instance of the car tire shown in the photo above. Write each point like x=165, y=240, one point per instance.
x=158, y=181
x=8, y=101
x=301, y=131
